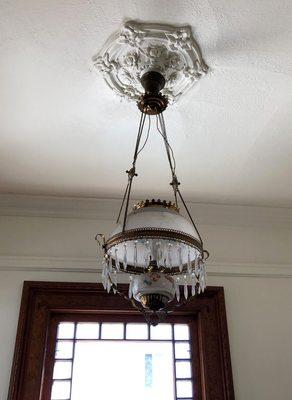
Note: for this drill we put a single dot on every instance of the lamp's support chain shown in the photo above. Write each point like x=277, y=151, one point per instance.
x=132, y=172
x=153, y=82
x=172, y=164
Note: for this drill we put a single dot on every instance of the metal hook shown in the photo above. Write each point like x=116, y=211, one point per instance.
x=207, y=254
x=99, y=243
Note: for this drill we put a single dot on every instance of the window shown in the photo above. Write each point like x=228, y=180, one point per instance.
x=127, y=358
x=76, y=342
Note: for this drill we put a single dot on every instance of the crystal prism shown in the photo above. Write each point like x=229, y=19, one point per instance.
x=177, y=291
x=186, y=291
x=125, y=261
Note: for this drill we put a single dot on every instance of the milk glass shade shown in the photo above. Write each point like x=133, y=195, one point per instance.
x=154, y=233
x=159, y=249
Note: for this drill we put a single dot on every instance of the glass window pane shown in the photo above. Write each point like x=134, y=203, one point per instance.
x=62, y=370
x=182, y=350
x=137, y=331
x=184, y=389
x=130, y=370
x=64, y=349
x=112, y=331
x=161, y=332
x=183, y=369
x=87, y=330
x=66, y=330
x=181, y=332
x=60, y=390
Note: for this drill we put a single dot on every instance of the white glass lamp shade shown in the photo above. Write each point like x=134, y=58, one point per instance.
x=160, y=250
x=155, y=233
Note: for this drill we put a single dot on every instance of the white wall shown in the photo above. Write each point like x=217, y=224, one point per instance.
x=52, y=239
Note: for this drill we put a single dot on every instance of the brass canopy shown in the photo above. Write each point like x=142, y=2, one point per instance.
x=152, y=102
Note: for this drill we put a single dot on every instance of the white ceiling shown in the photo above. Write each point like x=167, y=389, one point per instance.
x=63, y=132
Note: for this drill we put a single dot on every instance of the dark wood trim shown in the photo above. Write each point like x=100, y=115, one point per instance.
x=49, y=358
x=43, y=302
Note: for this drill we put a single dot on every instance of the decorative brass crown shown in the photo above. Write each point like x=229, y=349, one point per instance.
x=153, y=202
x=152, y=104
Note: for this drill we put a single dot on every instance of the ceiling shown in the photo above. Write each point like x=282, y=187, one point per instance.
x=63, y=132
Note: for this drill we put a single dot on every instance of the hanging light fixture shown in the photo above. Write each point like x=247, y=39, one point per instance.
x=160, y=251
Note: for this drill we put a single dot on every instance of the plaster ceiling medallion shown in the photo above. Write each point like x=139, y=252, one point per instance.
x=138, y=48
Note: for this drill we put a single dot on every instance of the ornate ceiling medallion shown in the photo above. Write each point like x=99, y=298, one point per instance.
x=138, y=48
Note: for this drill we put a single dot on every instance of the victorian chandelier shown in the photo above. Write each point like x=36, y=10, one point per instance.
x=159, y=251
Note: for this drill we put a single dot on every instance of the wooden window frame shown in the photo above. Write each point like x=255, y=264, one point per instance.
x=43, y=303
